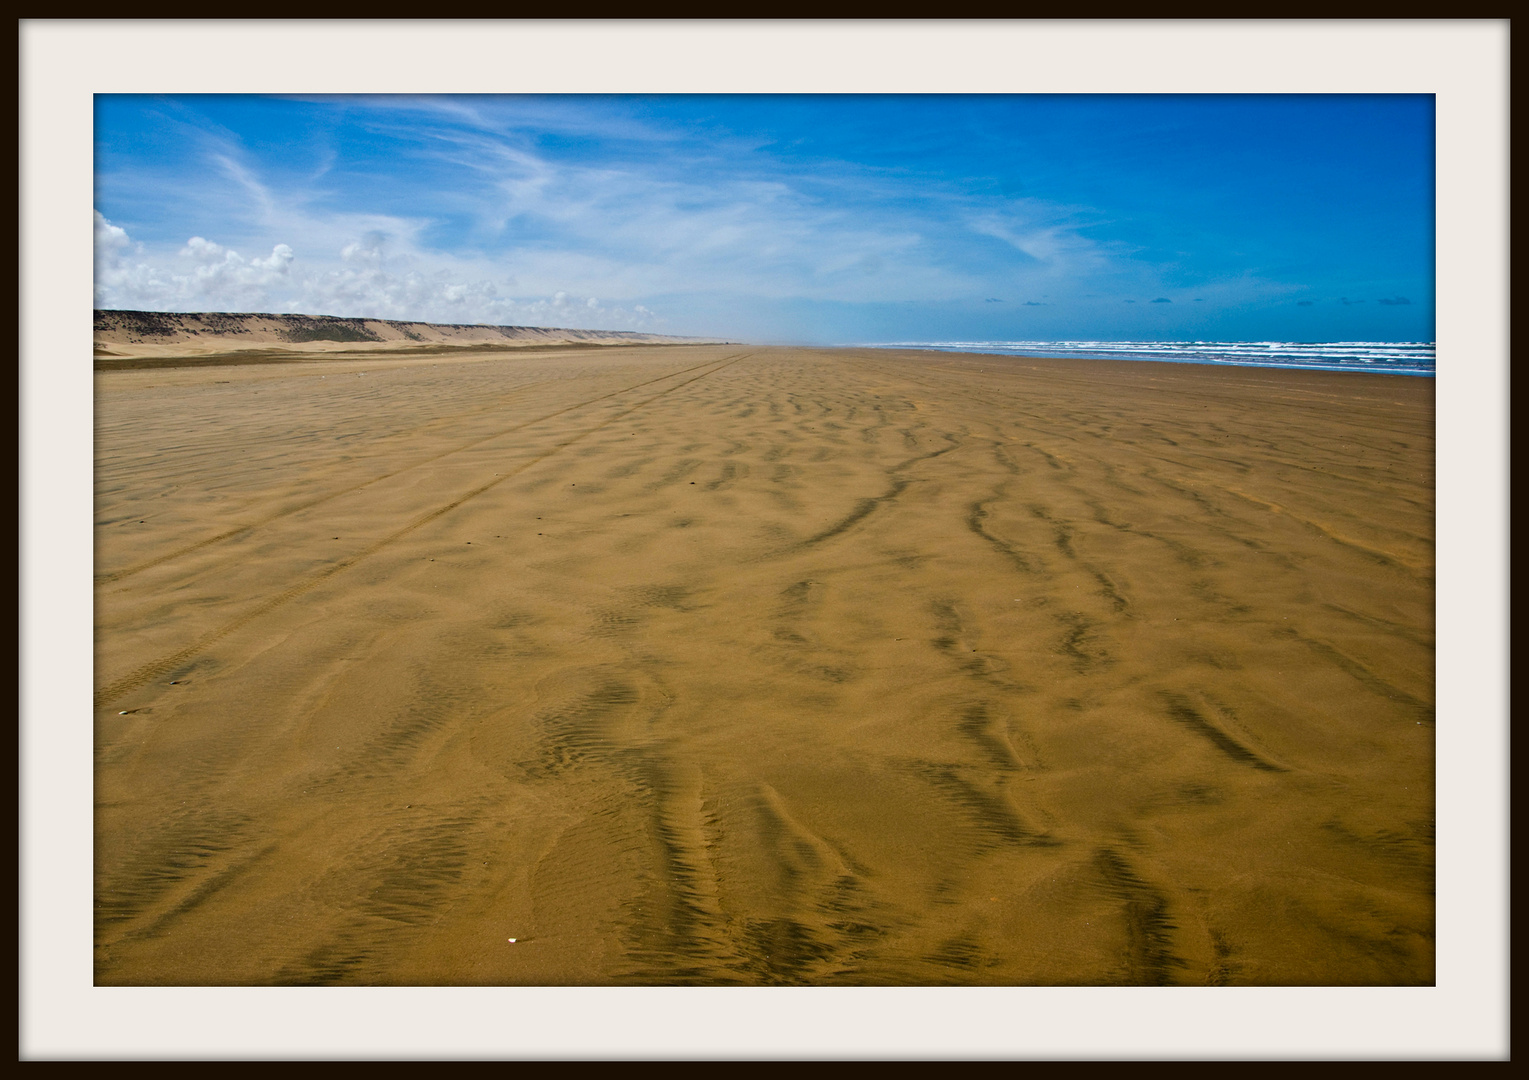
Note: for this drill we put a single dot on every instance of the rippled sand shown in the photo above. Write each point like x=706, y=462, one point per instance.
x=723, y=665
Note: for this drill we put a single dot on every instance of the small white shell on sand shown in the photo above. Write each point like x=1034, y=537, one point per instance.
x=510, y=940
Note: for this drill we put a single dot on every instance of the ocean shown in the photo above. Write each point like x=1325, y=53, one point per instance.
x=1392, y=357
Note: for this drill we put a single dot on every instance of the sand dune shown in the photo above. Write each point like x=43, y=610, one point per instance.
x=715, y=664
x=138, y=339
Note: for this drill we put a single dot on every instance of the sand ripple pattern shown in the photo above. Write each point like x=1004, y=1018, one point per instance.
x=715, y=666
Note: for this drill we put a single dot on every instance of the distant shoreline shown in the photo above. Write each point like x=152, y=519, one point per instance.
x=1412, y=358
x=133, y=340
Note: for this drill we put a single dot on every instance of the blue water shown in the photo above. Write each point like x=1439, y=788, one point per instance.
x=1393, y=357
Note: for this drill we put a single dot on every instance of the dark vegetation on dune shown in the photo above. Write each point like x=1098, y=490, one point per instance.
x=300, y=328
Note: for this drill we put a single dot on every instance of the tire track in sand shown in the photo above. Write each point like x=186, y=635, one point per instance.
x=155, y=668
x=866, y=506
x=241, y=530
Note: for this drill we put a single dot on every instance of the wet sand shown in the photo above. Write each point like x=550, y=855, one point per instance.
x=726, y=665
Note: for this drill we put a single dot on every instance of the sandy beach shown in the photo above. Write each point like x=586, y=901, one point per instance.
x=716, y=664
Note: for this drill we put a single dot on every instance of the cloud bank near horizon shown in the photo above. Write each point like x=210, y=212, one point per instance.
x=205, y=276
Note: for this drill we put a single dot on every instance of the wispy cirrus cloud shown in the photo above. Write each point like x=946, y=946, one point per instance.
x=1050, y=237
x=501, y=226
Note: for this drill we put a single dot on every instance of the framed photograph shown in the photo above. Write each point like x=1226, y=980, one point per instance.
x=949, y=532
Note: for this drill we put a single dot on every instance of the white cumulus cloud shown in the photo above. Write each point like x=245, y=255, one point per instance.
x=367, y=280
x=109, y=237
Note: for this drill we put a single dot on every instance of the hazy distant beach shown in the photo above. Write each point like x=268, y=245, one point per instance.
x=718, y=664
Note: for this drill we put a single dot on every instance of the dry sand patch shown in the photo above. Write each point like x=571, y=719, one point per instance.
x=718, y=665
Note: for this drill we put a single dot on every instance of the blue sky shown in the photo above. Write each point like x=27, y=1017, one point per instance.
x=778, y=218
